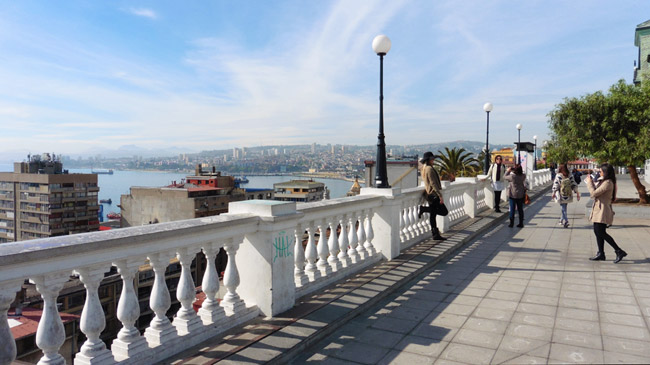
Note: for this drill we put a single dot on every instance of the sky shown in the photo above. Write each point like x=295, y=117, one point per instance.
x=80, y=77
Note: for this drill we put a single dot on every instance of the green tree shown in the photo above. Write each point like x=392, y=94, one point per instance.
x=612, y=127
x=456, y=162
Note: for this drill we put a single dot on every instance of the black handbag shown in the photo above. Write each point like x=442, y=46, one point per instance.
x=437, y=206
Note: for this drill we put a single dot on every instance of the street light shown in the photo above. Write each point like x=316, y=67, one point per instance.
x=488, y=108
x=545, y=146
x=519, y=143
x=381, y=46
x=535, y=165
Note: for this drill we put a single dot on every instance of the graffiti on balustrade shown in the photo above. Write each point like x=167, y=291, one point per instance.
x=283, y=245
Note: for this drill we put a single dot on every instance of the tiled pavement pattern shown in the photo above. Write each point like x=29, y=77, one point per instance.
x=510, y=296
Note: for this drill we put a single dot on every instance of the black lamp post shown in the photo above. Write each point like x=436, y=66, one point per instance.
x=519, y=143
x=545, y=146
x=381, y=46
x=488, y=108
x=535, y=165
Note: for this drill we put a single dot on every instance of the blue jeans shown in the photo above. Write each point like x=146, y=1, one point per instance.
x=519, y=203
x=564, y=215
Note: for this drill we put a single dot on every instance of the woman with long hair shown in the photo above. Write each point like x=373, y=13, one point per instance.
x=432, y=192
x=602, y=214
x=564, y=186
x=516, y=193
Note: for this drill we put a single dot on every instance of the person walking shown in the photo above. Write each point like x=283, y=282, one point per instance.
x=432, y=191
x=495, y=174
x=564, y=186
x=516, y=193
x=602, y=213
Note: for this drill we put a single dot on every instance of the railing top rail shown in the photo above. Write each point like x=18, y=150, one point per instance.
x=142, y=239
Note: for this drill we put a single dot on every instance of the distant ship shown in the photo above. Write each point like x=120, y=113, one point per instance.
x=102, y=171
x=107, y=201
x=113, y=215
x=241, y=180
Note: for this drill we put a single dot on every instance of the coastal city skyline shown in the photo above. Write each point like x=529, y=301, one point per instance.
x=83, y=77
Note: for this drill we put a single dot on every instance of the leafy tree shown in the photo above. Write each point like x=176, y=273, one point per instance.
x=456, y=162
x=612, y=127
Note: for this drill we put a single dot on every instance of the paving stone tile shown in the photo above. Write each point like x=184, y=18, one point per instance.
x=475, y=292
x=527, y=359
x=397, y=357
x=504, y=295
x=623, y=358
x=627, y=346
x=421, y=346
x=618, y=299
x=615, y=291
x=579, y=288
x=498, y=304
x=496, y=314
x=623, y=319
x=546, y=310
x=358, y=352
x=577, y=303
x=533, y=319
x=398, y=325
x=410, y=313
x=528, y=331
x=519, y=345
x=463, y=299
x=540, y=299
x=477, y=338
x=501, y=356
x=619, y=308
x=577, y=314
x=434, y=332
x=452, y=308
x=573, y=354
x=445, y=319
x=579, y=339
x=467, y=354
x=620, y=331
x=486, y=325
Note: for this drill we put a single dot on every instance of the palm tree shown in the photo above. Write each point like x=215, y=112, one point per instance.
x=456, y=162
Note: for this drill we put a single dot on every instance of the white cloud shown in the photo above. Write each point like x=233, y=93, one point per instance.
x=143, y=12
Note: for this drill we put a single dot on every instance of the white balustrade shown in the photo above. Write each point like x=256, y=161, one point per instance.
x=265, y=238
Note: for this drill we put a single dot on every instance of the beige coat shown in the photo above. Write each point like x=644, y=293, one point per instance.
x=492, y=172
x=431, y=181
x=602, y=211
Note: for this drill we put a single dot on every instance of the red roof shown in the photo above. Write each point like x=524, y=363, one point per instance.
x=29, y=321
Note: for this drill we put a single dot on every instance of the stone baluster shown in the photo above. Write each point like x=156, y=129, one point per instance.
x=415, y=223
x=408, y=221
x=186, y=320
x=129, y=343
x=323, y=251
x=344, y=242
x=8, y=291
x=370, y=234
x=231, y=302
x=50, y=334
x=361, y=236
x=300, y=277
x=93, y=319
x=352, y=239
x=311, y=255
x=402, y=224
x=211, y=312
x=160, y=329
x=333, y=244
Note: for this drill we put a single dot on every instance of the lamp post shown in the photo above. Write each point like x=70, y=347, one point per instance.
x=545, y=146
x=488, y=108
x=519, y=143
x=381, y=46
x=535, y=160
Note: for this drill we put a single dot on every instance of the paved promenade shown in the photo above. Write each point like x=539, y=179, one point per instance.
x=514, y=296
x=509, y=295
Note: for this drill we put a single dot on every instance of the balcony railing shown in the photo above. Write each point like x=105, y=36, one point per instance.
x=267, y=270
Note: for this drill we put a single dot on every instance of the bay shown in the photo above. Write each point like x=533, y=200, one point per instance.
x=119, y=183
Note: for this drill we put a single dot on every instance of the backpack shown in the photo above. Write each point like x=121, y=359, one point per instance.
x=576, y=177
x=565, y=187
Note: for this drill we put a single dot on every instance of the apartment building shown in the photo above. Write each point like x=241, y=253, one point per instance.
x=40, y=199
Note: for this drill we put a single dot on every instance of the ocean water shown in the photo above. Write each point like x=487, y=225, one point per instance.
x=117, y=184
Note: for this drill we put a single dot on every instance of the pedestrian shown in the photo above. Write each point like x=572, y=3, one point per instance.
x=564, y=186
x=495, y=175
x=602, y=213
x=433, y=193
x=576, y=176
x=552, y=168
x=516, y=193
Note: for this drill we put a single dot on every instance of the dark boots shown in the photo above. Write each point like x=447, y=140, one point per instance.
x=521, y=222
x=600, y=256
x=437, y=236
x=619, y=256
x=512, y=222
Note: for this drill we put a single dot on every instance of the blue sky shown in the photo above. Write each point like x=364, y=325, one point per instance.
x=83, y=76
